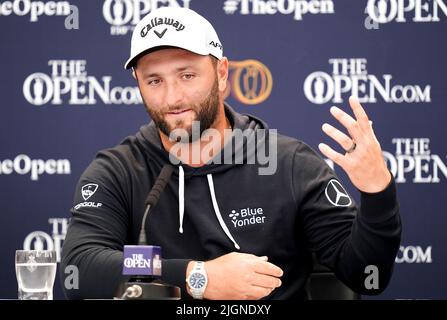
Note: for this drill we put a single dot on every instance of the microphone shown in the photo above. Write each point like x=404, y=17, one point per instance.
x=152, y=198
x=143, y=262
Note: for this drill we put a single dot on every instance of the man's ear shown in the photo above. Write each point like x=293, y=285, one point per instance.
x=222, y=73
x=134, y=74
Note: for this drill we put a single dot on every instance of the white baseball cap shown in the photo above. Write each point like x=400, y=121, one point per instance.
x=175, y=27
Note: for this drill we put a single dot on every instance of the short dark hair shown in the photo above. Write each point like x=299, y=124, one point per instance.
x=214, y=61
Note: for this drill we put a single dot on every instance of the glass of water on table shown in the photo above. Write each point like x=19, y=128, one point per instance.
x=35, y=271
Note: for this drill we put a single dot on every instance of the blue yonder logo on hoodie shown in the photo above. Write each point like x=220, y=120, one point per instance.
x=247, y=216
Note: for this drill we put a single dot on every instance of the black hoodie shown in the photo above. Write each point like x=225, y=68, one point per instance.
x=215, y=209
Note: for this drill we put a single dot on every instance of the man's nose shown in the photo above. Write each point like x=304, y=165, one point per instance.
x=174, y=94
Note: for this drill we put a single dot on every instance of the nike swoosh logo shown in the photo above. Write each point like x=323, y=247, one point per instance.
x=160, y=35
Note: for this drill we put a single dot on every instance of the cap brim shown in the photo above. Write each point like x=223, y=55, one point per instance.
x=132, y=60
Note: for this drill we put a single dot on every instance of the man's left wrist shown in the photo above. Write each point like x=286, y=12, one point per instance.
x=379, y=206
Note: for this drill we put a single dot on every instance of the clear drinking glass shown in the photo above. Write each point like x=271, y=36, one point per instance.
x=35, y=271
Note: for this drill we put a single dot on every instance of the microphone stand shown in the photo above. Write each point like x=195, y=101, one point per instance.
x=142, y=287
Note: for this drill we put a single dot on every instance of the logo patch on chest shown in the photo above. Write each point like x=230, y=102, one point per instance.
x=246, y=217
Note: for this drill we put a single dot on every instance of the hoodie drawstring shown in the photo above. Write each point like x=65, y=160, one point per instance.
x=181, y=196
x=217, y=211
x=181, y=204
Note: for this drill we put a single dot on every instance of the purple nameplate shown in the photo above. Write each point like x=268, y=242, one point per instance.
x=142, y=260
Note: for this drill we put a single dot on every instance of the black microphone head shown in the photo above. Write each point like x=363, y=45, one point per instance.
x=160, y=184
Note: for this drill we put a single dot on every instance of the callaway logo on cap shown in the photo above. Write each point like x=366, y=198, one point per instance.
x=175, y=27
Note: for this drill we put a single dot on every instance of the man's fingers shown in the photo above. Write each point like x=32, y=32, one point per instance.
x=359, y=112
x=343, y=140
x=331, y=154
x=262, y=280
x=258, y=292
x=268, y=268
x=347, y=121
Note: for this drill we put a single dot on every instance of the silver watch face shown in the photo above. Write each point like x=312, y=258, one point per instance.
x=197, y=280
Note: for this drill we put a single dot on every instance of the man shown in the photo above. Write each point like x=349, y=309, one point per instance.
x=251, y=234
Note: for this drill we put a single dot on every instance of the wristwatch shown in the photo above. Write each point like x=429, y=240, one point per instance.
x=197, y=280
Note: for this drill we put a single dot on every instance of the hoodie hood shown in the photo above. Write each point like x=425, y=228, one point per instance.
x=149, y=138
x=237, y=147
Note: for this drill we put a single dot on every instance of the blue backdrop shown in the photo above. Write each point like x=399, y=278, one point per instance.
x=65, y=95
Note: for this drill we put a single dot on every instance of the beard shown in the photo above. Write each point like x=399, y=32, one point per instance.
x=205, y=112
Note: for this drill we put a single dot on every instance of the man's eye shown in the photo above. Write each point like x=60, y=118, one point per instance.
x=188, y=76
x=154, y=82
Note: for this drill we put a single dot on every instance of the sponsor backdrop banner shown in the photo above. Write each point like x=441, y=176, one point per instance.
x=65, y=95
